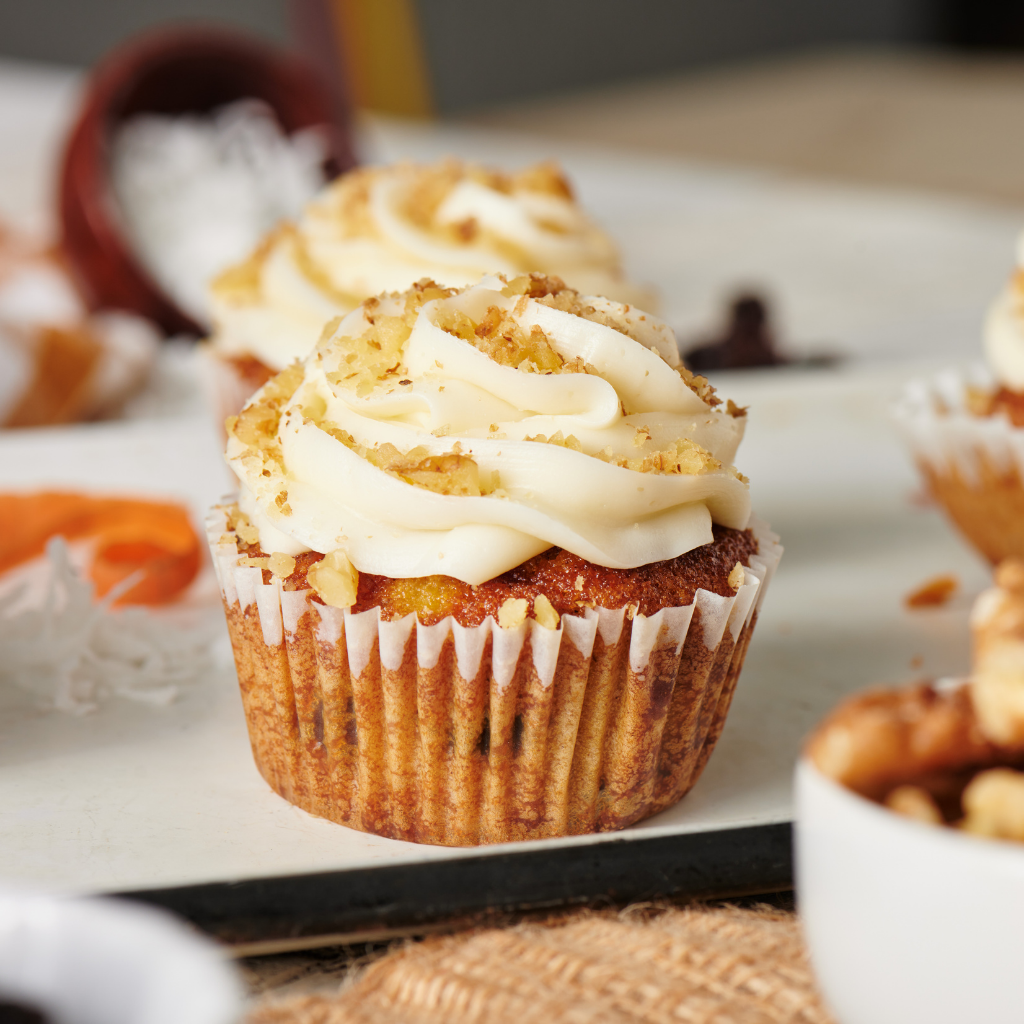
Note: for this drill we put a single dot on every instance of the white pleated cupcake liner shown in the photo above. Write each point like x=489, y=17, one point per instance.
x=941, y=432
x=673, y=687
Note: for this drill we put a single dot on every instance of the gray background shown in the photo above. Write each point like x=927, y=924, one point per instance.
x=484, y=52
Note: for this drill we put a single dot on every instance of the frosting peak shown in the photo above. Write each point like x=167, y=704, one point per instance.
x=461, y=432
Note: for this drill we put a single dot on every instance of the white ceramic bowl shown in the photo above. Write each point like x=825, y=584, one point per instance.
x=94, y=961
x=907, y=922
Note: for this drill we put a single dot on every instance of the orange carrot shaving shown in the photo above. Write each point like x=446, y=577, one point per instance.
x=154, y=538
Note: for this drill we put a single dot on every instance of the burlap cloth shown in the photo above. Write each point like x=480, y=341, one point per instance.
x=691, y=966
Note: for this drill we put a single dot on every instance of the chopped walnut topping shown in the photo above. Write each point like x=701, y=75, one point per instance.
x=534, y=286
x=242, y=284
x=512, y=613
x=571, y=442
x=579, y=584
x=546, y=178
x=281, y=564
x=376, y=353
x=734, y=410
x=544, y=612
x=682, y=456
x=429, y=186
x=699, y=386
x=452, y=473
x=254, y=563
x=737, y=577
x=256, y=425
x=238, y=521
x=641, y=437
x=334, y=579
x=978, y=401
x=502, y=338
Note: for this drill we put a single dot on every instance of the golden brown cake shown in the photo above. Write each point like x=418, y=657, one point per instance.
x=455, y=624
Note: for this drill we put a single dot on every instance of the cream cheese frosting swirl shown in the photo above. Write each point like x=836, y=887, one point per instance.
x=461, y=432
x=380, y=229
x=1004, y=330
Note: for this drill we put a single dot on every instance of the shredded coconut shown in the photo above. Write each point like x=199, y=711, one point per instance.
x=198, y=194
x=74, y=652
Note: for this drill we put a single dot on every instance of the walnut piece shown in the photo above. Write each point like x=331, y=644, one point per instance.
x=254, y=563
x=882, y=738
x=513, y=612
x=450, y=473
x=914, y=802
x=281, y=565
x=993, y=803
x=737, y=577
x=544, y=612
x=335, y=579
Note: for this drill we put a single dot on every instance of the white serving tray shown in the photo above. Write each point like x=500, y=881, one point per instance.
x=137, y=798
x=134, y=797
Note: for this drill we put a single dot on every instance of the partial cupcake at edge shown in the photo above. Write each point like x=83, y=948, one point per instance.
x=380, y=229
x=966, y=432
x=492, y=573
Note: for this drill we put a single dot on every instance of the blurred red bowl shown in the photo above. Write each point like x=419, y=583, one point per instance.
x=181, y=71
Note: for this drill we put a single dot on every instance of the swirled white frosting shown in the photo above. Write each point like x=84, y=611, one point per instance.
x=379, y=230
x=611, y=496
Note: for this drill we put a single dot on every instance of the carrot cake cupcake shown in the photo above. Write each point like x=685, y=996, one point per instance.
x=492, y=573
x=380, y=229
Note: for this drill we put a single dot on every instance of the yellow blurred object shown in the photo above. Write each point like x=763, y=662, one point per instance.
x=385, y=60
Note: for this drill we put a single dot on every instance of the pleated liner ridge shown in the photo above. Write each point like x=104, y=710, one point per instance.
x=459, y=735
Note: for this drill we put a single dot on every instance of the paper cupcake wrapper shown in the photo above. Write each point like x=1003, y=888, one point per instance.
x=974, y=465
x=458, y=735
x=935, y=423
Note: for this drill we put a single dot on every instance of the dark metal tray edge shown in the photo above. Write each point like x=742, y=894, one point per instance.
x=294, y=910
